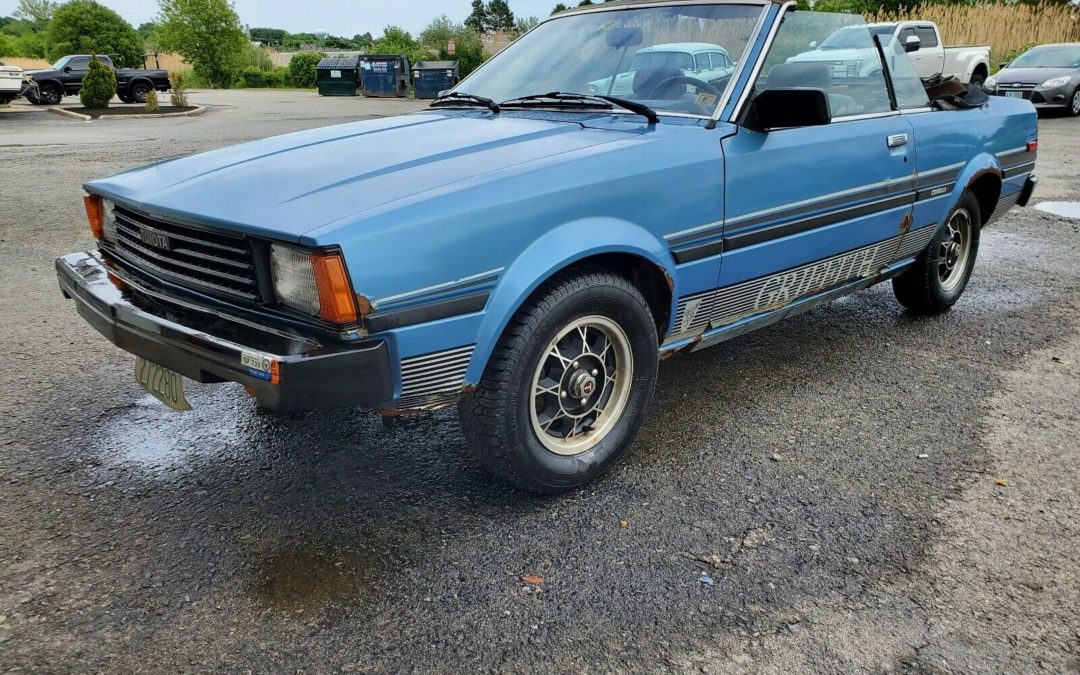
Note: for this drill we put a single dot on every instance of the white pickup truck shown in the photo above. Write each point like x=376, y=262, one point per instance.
x=11, y=83
x=846, y=53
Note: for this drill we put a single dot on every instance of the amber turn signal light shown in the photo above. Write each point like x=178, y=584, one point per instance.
x=95, y=213
x=336, y=301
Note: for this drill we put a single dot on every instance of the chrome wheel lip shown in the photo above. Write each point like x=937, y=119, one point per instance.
x=1076, y=102
x=954, y=250
x=608, y=406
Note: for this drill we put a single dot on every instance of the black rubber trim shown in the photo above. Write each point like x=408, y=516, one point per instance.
x=937, y=179
x=699, y=252
x=432, y=311
x=1018, y=169
x=743, y=240
x=884, y=191
x=1022, y=158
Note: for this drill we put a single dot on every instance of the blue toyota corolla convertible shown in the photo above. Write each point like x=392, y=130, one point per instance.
x=531, y=245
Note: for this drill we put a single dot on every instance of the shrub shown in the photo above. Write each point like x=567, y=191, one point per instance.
x=152, y=103
x=259, y=57
x=254, y=78
x=178, y=95
x=99, y=85
x=192, y=78
x=303, y=69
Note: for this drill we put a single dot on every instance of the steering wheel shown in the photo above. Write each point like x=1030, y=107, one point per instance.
x=699, y=85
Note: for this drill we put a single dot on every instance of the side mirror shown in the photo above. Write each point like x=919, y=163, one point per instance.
x=912, y=44
x=784, y=108
x=813, y=45
x=67, y=69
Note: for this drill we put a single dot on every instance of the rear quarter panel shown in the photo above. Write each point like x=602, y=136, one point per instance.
x=956, y=147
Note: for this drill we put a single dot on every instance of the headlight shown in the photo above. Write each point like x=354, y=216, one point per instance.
x=990, y=83
x=101, y=214
x=1056, y=82
x=312, y=283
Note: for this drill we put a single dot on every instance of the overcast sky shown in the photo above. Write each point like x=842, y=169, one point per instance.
x=339, y=17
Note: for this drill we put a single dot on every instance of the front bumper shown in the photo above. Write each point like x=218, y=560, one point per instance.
x=286, y=371
x=1057, y=97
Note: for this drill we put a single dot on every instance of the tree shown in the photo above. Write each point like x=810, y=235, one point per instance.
x=525, y=24
x=7, y=46
x=468, y=47
x=500, y=18
x=364, y=41
x=85, y=27
x=303, y=69
x=584, y=3
x=397, y=40
x=478, y=19
x=268, y=36
x=207, y=33
x=146, y=29
x=36, y=11
x=559, y=8
x=98, y=85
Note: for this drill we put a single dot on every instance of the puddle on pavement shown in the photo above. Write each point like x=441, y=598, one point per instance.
x=300, y=578
x=156, y=438
x=1063, y=209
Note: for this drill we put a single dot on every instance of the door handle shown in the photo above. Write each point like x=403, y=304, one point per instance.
x=897, y=140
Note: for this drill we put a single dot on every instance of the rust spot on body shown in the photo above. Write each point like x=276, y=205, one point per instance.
x=905, y=223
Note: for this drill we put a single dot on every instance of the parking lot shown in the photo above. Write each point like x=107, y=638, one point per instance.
x=865, y=490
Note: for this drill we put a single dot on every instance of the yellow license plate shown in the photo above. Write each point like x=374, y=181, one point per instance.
x=163, y=384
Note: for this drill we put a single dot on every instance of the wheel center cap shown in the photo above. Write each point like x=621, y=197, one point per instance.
x=582, y=384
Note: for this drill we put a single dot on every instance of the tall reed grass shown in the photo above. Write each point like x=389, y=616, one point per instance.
x=1007, y=28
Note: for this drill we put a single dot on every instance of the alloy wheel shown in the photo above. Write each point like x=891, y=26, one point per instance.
x=581, y=385
x=954, y=250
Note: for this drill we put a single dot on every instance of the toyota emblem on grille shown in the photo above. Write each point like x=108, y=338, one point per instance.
x=155, y=239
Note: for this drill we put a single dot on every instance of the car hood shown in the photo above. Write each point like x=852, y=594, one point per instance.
x=38, y=73
x=825, y=55
x=1033, y=75
x=286, y=186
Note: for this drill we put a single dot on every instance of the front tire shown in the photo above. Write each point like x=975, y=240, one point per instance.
x=941, y=272
x=566, y=389
x=49, y=94
x=1074, y=104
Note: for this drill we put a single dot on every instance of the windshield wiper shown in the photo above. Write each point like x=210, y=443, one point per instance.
x=461, y=98
x=583, y=101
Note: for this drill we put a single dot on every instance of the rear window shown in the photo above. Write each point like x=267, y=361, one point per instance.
x=927, y=35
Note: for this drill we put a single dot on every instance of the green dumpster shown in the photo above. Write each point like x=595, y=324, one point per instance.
x=338, y=76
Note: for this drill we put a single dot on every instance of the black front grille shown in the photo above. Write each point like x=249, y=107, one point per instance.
x=209, y=262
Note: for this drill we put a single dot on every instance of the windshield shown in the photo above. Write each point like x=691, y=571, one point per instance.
x=628, y=53
x=59, y=65
x=854, y=39
x=1049, y=57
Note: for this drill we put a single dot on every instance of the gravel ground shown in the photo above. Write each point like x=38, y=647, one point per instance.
x=866, y=490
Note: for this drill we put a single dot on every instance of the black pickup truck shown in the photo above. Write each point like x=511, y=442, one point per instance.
x=66, y=75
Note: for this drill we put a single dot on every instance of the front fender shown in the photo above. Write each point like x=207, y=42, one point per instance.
x=556, y=250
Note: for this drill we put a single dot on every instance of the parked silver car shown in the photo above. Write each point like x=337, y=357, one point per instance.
x=1048, y=76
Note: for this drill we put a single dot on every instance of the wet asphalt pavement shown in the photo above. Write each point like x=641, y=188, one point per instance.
x=852, y=490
